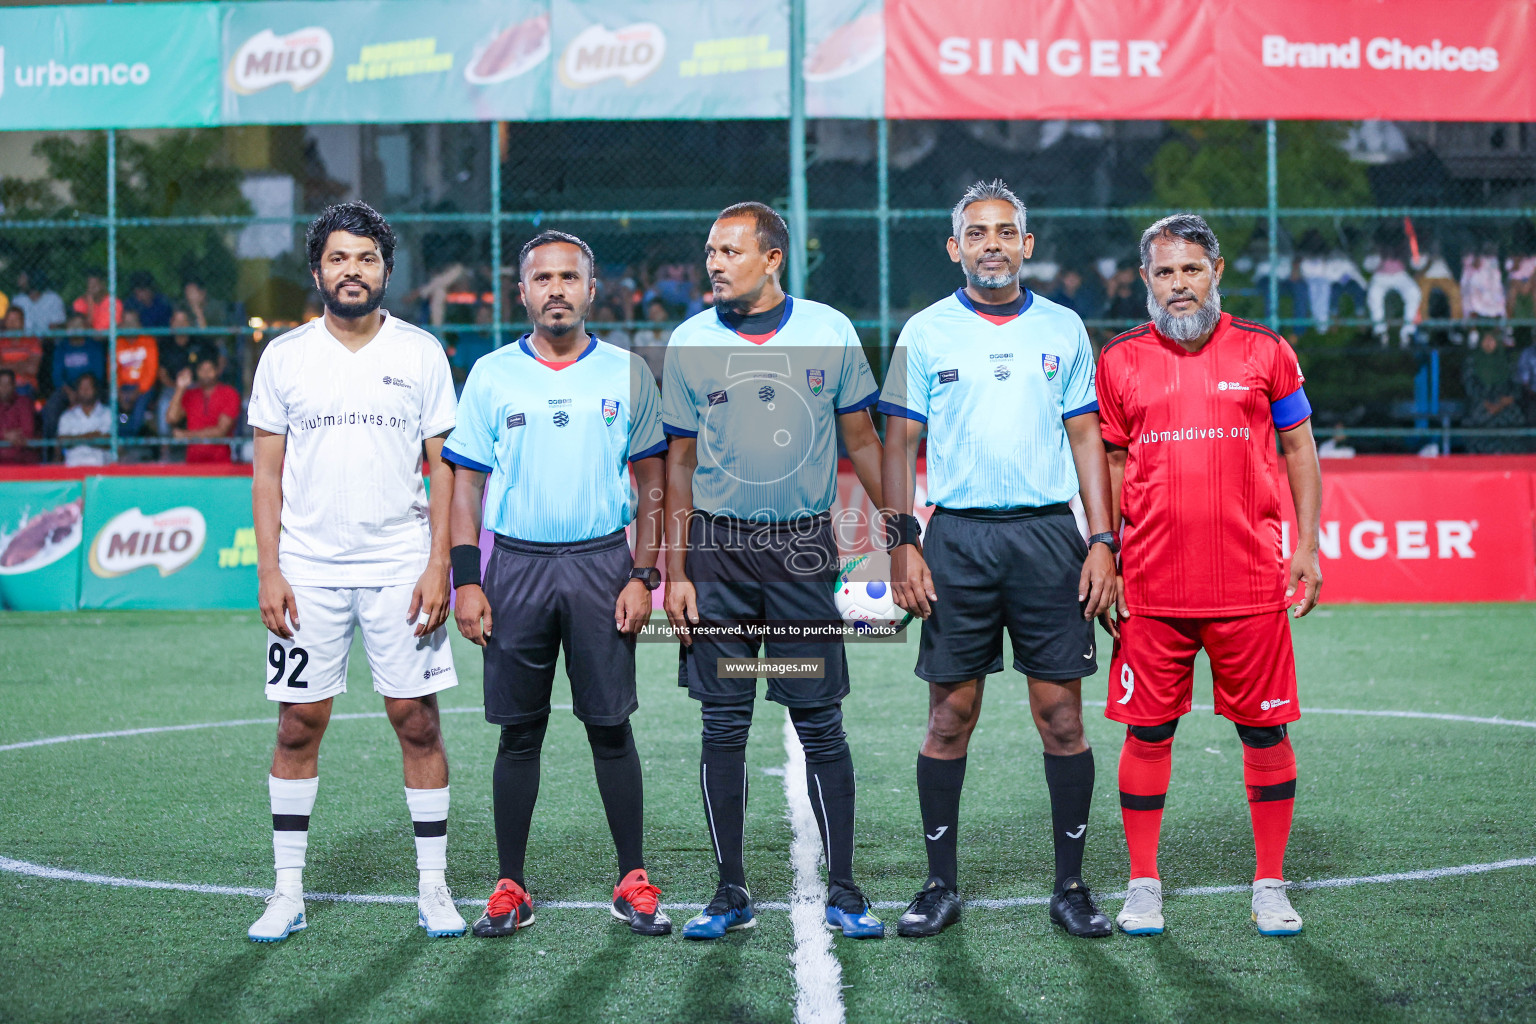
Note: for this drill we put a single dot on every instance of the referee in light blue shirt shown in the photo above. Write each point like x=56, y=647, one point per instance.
x=556, y=422
x=754, y=393
x=1003, y=381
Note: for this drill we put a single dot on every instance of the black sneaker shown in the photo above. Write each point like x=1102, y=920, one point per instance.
x=930, y=912
x=1073, y=908
x=635, y=902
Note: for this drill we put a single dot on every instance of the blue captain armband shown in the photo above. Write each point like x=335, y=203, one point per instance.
x=1291, y=411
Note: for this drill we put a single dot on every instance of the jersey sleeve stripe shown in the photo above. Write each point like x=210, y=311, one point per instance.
x=449, y=455
x=1135, y=332
x=1291, y=411
x=892, y=409
x=1255, y=328
x=863, y=403
x=659, y=448
x=1084, y=410
x=676, y=431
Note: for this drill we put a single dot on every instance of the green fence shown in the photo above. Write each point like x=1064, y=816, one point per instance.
x=1331, y=207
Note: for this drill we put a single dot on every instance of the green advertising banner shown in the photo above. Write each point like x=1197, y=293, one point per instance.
x=845, y=58
x=168, y=542
x=634, y=59
x=129, y=66
x=40, y=534
x=295, y=62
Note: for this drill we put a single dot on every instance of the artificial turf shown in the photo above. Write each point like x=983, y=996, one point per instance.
x=1375, y=795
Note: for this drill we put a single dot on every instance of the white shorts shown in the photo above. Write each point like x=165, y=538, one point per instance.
x=313, y=665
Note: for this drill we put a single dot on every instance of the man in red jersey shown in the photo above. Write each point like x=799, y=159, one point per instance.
x=1190, y=404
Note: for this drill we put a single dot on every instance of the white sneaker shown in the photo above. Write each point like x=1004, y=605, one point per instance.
x=1143, y=910
x=1272, y=910
x=283, y=917
x=438, y=915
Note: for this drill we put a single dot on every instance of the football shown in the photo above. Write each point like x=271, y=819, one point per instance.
x=867, y=603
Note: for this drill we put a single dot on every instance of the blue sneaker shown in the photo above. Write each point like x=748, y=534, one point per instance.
x=849, y=912
x=729, y=911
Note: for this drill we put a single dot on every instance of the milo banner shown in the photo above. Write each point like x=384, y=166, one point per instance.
x=40, y=534
x=168, y=542
x=297, y=62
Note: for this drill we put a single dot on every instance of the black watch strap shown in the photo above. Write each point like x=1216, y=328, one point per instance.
x=902, y=528
x=650, y=576
x=1106, y=538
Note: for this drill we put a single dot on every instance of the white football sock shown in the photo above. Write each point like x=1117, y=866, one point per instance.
x=429, y=816
x=292, y=802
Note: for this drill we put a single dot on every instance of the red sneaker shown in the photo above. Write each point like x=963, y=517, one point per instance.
x=636, y=901
x=509, y=908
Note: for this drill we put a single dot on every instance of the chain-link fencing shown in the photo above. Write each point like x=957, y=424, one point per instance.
x=1399, y=259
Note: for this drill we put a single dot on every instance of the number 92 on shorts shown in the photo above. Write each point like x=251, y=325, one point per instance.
x=313, y=665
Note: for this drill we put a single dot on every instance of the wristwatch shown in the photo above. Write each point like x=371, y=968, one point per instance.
x=1106, y=538
x=650, y=576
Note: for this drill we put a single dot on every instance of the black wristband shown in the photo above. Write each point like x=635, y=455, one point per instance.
x=902, y=529
x=465, y=559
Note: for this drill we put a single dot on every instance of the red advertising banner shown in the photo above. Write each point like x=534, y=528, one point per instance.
x=1451, y=534
x=1240, y=59
x=1394, y=528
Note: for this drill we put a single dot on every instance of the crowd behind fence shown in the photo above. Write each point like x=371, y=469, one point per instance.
x=1399, y=259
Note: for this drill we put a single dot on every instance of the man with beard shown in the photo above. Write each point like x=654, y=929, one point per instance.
x=1190, y=405
x=556, y=422
x=343, y=409
x=755, y=392
x=1003, y=380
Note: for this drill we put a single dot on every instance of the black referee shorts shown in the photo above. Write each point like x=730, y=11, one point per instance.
x=774, y=574
x=1014, y=569
x=547, y=596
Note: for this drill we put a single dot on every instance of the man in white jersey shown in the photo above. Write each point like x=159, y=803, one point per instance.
x=343, y=408
x=1002, y=380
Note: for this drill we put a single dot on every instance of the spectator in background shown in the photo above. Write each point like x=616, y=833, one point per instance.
x=41, y=305
x=22, y=355
x=650, y=341
x=138, y=373
x=616, y=334
x=86, y=419
x=208, y=410
x=180, y=352
x=1482, y=285
x=1073, y=292
x=95, y=305
x=153, y=309
x=1525, y=376
x=73, y=357
x=18, y=423
x=465, y=347
x=205, y=312
x=1493, y=396
x=1126, y=298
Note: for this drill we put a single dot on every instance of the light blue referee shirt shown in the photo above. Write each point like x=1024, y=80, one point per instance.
x=765, y=416
x=557, y=443
x=995, y=397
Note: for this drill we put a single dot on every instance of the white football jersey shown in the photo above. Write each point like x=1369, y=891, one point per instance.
x=354, y=507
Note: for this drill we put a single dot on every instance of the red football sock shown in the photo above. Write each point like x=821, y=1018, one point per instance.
x=1144, y=772
x=1270, y=774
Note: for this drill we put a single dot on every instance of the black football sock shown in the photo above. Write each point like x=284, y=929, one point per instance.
x=829, y=784
x=723, y=778
x=1069, y=777
x=514, y=791
x=617, y=765
x=938, y=796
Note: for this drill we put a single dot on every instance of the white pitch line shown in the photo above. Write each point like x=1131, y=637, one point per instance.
x=818, y=975
x=49, y=741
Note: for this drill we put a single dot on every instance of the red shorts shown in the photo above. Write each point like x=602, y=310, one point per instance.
x=1253, y=669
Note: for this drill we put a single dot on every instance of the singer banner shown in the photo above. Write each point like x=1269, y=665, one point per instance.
x=1221, y=59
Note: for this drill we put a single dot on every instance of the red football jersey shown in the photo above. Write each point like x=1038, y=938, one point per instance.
x=1201, y=496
